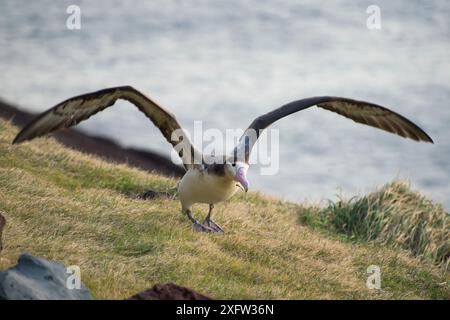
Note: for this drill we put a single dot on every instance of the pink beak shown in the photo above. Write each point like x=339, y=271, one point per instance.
x=242, y=179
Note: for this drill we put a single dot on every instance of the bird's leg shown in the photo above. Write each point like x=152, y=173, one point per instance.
x=197, y=226
x=211, y=224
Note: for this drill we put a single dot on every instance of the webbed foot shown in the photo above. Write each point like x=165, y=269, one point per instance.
x=199, y=227
x=213, y=226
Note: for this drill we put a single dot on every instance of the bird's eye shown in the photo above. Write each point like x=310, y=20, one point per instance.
x=233, y=164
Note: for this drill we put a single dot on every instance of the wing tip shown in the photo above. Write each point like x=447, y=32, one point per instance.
x=429, y=140
x=420, y=138
x=19, y=138
x=425, y=137
x=24, y=135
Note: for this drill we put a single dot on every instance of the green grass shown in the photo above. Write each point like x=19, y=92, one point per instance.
x=79, y=210
x=394, y=216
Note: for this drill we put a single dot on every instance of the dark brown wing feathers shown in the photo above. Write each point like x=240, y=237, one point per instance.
x=74, y=110
x=359, y=111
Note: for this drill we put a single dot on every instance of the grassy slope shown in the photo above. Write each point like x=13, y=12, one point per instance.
x=76, y=209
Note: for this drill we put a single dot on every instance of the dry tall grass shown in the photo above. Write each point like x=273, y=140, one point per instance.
x=394, y=216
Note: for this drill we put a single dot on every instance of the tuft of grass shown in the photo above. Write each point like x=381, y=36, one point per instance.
x=80, y=210
x=395, y=216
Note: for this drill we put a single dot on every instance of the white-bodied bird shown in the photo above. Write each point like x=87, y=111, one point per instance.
x=206, y=182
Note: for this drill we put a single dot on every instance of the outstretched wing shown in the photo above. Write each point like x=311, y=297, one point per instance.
x=359, y=111
x=74, y=110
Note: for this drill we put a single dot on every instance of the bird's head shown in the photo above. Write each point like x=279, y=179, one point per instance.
x=237, y=171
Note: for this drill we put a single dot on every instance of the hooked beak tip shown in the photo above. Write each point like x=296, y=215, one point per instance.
x=242, y=179
x=241, y=186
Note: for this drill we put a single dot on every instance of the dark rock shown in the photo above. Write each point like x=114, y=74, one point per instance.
x=2, y=225
x=38, y=279
x=169, y=291
x=151, y=194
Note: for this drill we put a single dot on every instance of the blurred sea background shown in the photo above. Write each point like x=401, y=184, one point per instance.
x=226, y=62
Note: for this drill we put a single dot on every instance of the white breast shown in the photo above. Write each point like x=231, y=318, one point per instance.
x=198, y=186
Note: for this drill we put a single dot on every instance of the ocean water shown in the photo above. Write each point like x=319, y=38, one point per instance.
x=226, y=62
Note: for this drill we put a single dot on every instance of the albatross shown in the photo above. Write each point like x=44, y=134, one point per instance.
x=205, y=181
